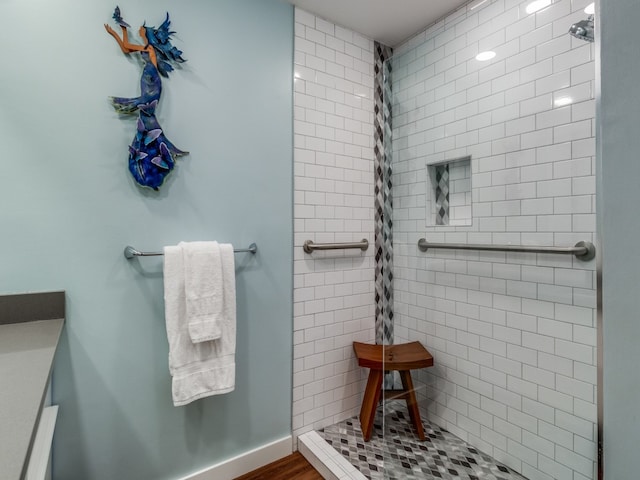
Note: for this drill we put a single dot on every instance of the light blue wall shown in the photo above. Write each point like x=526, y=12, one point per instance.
x=619, y=230
x=69, y=207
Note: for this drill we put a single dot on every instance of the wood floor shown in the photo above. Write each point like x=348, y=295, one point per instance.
x=293, y=467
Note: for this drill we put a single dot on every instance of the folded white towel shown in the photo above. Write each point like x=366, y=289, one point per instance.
x=206, y=368
x=203, y=289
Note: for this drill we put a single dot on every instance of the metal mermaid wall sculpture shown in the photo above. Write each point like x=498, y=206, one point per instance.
x=151, y=154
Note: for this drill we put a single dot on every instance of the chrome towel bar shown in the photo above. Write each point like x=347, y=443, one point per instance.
x=309, y=246
x=582, y=250
x=130, y=252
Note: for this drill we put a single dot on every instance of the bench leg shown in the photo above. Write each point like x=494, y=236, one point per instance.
x=370, y=402
x=412, y=404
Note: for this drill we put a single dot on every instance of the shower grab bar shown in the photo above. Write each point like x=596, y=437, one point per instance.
x=130, y=252
x=582, y=250
x=309, y=246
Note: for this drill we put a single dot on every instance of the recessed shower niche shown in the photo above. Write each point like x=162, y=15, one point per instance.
x=449, y=193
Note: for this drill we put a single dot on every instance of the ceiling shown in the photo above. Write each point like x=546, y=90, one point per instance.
x=388, y=21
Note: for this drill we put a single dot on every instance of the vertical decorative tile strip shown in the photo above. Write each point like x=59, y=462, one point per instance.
x=442, y=194
x=383, y=198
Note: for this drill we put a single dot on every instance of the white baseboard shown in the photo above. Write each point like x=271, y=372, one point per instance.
x=246, y=462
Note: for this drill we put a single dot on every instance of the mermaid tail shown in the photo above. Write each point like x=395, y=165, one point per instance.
x=151, y=154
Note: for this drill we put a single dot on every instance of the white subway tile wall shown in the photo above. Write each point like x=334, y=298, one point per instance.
x=513, y=335
x=333, y=202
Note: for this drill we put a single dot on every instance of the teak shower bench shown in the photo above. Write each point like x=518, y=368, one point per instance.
x=379, y=359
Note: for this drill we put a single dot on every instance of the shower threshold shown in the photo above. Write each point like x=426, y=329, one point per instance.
x=398, y=454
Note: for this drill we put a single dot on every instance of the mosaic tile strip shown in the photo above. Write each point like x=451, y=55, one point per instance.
x=442, y=194
x=383, y=198
x=395, y=452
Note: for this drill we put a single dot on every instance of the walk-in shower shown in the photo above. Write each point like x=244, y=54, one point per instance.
x=484, y=138
x=513, y=386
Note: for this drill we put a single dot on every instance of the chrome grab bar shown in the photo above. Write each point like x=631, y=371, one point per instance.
x=582, y=250
x=130, y=252
x=309, y=246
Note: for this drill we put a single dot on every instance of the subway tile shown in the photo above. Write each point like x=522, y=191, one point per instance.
x=555, y=399
x=521, y=354
x=538, y=342
x=572, y=131
x=584, y=223
x=505, y=145
x=521, y=224
x=539, y=444
x=576, y=462
x=575, y=388
x=579, y=426
x=538, y=138
x=554, y=223
x=555, y=293
x=573, y=351
x=526, y=389
x=506, y=113
x=521, y=92
x=538, y=206
x=576, y=93
x=574, y=278
x=521, y=322
x=537, y=70
x=578, y=167
x=489, y=102
x=557, y=435
x=520, y=158
x=584, y=185
x=572, y=58
x=555, y=329
x=585, y=335
x=584, y=298
x=554, y=153
x=557, y=10
x=553, y=47
x=537, y=104
x=529, y=186
x=521, y=191
x=554, y=188
x=554, y=82
x=520, y=60
x=481, y=91
x=583, y=110
x=552, y=118
x=537, y=172
x=505, y=82
x=521, y=125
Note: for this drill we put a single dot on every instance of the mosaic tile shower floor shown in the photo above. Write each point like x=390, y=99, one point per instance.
x=404, y=457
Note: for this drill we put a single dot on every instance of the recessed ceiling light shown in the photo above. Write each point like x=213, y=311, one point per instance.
x=484, y=56
x=533, y=7
x=562, y=101
x=591, y=9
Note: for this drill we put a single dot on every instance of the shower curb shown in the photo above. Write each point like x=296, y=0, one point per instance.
x=325, y=459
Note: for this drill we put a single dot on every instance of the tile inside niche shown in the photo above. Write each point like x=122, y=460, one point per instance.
x=449, y=193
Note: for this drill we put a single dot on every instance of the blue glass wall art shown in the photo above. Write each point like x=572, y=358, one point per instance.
x=151, y=154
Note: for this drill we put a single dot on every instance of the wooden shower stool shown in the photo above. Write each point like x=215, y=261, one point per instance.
x=379, y=359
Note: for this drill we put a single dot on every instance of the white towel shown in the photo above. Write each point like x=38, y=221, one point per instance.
x=203, y=287
x=206, y=368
